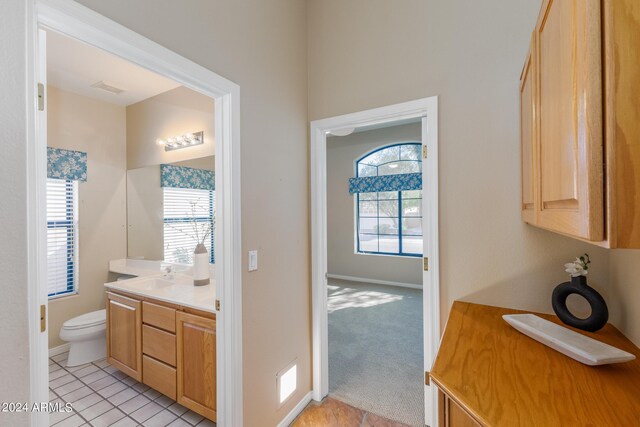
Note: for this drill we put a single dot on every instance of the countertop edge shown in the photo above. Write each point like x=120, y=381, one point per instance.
x=113, y=287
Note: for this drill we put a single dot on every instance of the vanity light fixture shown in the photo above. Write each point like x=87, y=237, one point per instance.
x=182, y=141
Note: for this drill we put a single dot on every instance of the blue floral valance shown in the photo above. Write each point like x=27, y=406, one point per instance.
x=184, y=177
x=399, y=182
x=66, y=164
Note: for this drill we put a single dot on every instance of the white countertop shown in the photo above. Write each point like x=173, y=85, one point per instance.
x=153, y=283
x=144, y=267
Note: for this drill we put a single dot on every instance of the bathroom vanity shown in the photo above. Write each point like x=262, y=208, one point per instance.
x=162, y=331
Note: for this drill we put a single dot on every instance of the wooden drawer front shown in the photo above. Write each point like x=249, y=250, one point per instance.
x=159, y=376
x=159, y=344
x=159, y=316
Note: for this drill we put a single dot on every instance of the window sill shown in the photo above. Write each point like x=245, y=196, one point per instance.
x=390, y=255
x=62, y=296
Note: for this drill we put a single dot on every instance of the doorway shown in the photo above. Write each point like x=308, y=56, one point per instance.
x=87, y=26
x=326, y=294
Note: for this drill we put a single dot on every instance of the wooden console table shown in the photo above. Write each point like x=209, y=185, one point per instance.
x=489, y=374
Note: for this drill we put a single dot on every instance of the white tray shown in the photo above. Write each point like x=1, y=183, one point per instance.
x=568, y=342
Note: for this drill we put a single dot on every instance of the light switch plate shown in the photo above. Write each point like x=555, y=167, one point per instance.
x=253, y=260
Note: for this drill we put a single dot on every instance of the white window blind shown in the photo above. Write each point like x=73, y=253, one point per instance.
x=62, y=237
x=185, y=211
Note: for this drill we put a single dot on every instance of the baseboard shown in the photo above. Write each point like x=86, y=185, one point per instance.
x=59, y=349
x=374, y=281
x=296, y=411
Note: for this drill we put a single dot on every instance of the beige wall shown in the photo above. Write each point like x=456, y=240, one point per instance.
x=260, y=45
x=145, y=226
x=342, y=153
x=14, y=322
x=172, y=113
x=79, y=123
x=624, y=295
x=370, y=53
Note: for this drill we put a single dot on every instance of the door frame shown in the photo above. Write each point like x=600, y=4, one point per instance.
x=425, y=109
x=79, y=22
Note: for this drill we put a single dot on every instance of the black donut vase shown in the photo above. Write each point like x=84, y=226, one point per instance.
x=578, y=285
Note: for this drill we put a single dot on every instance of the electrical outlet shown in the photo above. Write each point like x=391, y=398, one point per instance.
x=253, y=260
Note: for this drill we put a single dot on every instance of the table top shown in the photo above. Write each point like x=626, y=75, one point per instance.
x=501, y=377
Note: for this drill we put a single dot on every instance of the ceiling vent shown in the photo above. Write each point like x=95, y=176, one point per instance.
x=107, y=88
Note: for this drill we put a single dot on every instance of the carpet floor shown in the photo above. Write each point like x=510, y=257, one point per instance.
x=375, y=349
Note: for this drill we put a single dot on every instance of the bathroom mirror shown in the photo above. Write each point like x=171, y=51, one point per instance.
x=170, y=207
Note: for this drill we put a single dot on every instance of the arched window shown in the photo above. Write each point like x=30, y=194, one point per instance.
x=390, y=222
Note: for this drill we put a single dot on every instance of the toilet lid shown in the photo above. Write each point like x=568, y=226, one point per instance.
x=86, y=320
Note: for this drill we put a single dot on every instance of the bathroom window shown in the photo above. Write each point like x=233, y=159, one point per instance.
x=390, y=222
x=186, y=212
x=62, y=237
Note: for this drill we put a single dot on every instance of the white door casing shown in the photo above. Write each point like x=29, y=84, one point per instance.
x=425, y=109
x=76, y=21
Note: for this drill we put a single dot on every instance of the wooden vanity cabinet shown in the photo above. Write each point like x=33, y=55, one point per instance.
x=580, y=122
x=196, y=363
x=124, y=335
x=170, y=348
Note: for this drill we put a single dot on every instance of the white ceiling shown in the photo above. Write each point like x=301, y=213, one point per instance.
x=75, y=66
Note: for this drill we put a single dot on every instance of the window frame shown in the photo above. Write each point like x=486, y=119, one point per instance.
x=71, y=224
x=399, y=199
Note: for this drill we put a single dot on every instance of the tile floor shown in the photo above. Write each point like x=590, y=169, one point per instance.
x=101, y=395
x=334, y=413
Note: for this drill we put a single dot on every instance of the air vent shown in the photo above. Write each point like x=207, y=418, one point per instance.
x=107, y=87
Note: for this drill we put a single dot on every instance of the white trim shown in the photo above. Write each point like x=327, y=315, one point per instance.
x=59, y=349
x=426, y=109
x=291, y=416
x=374, y=281
x=82, y=23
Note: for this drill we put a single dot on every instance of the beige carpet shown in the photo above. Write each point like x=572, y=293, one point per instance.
x=375, y=349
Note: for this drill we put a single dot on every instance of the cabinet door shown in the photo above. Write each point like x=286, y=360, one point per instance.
x=124, y=343
x=568, y=40
x=528, y=137
x=196, y=344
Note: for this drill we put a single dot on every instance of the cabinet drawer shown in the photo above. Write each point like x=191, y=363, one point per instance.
x=159, y=344
x=159, y=316
x=159, y=376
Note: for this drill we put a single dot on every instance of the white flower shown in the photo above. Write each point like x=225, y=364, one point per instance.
x=575, y=269
x=579, y=267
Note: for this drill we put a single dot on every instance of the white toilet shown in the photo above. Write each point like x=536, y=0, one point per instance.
x=87, y=336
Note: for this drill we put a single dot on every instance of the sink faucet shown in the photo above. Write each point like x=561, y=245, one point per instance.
x=168, y=272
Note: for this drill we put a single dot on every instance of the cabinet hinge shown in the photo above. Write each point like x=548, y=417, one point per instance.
x=43, y=318
x=217, y=305
x=424, y=151
x=40, y=97
x=426, y=263
x=427, y=381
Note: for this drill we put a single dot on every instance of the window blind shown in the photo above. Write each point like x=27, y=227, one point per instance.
x=62, y=236
x=187, y=214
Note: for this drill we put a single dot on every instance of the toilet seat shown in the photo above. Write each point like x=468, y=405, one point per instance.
x=87, y=320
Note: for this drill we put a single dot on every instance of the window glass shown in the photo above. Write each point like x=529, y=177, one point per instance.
x=390, y=222
x=188, y=216
x=62, y=237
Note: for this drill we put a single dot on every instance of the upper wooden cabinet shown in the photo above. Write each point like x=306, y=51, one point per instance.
x=580, y=122
x=527, y=136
